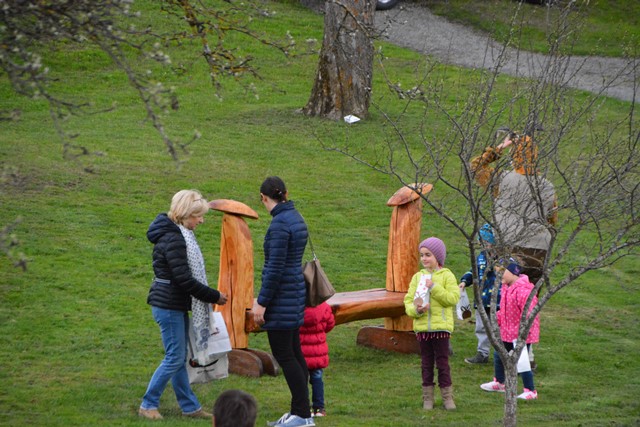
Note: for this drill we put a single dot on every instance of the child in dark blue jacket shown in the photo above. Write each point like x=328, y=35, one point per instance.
x=486, y=277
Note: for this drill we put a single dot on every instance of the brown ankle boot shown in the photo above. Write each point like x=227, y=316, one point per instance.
x=427, y=398
x=447, y=398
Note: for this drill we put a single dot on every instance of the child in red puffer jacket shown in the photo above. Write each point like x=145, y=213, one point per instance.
x=313, y=341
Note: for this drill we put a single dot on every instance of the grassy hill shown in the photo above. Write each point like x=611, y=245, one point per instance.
x=78, y=341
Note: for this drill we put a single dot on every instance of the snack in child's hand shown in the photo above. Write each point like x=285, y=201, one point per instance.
x=421, y=297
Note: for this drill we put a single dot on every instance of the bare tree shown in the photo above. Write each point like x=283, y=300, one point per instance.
x=31, y=30
x=591, y=159
x=345, y=70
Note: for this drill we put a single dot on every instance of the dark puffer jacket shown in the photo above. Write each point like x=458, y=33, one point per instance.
x=283, y=290
x=170, y=264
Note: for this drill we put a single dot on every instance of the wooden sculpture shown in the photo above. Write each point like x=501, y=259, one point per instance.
x=402, y=263
x=236, y=280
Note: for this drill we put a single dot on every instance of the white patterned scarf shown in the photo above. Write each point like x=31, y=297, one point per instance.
x=201, y=311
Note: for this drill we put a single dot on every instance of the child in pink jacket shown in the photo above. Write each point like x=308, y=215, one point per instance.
x=516, y=288
x=313, y=340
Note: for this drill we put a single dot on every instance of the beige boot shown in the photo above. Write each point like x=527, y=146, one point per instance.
x=151, y=414
x=447, y=398
x=427, y=398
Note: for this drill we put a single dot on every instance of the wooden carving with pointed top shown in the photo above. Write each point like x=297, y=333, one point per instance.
x=404, y=237
x=236, y=267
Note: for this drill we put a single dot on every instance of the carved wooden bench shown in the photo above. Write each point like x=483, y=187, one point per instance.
x=236, y=280
x=362, y=305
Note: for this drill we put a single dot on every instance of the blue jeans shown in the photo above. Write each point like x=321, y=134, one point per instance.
x=174, y=328
x=527, y=377
x=317, y=388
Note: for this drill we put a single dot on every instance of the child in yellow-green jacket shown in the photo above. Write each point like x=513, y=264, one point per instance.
x=433, y=294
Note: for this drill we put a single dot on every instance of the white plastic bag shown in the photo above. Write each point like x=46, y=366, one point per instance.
x=215, y=370
x=463, y=308
x=523, y=362
x=206, y=349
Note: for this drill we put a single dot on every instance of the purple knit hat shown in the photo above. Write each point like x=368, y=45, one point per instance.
x=436, y=247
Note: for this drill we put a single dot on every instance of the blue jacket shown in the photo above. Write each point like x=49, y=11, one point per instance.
x=283, y=288
x=487, y=277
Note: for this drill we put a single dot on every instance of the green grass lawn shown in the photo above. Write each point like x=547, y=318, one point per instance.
x=606, y=27
x=78, y=341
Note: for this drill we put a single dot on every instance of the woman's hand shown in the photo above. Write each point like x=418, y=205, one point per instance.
x=258, y=313
x=222, y=300
x=428, y=283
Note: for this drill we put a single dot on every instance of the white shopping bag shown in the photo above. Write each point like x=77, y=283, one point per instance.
x=215, y=370
x=206, y=349
x=523, y=362
x=463, y=308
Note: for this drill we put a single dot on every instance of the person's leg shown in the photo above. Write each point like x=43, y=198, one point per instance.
x=427, y=362
x=441, y=349
x=484, y=345
x=527, y=380
x=441, y=353
x=317, y=388
x=172, y=329
x=285, y=346
x=497, y=363
x=180, y=381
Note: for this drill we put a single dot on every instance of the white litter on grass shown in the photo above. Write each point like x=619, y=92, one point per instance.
x=351, y=119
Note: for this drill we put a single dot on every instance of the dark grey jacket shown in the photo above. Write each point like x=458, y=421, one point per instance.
x=170, y=264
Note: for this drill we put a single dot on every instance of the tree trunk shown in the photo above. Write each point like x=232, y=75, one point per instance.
x=343, y=80
x=511, y=392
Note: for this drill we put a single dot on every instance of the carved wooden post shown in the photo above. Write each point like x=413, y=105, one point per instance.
x=236, y=267
x=402, y=263
x=404, y=237
x=236, y=280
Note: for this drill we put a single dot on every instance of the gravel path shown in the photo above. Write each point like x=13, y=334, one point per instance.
x=415, y=27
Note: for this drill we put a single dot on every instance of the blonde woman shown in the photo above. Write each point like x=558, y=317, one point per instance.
x=179, y=276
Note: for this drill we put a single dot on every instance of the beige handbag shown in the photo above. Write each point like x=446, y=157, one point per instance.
x=319, y=288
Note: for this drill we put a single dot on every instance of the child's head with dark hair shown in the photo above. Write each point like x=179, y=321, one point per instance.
x=235, y=408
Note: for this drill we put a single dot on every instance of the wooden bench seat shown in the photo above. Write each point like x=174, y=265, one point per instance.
x=355, y=305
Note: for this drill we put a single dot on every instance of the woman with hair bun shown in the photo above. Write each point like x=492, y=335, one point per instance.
x=280, y=305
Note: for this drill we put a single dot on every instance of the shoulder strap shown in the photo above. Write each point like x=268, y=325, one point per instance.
x=313, y=252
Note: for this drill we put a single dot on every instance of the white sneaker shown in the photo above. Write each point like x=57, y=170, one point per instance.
x=528, y=394
x=296, y=421
x=493, y=386
x=280, y=421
